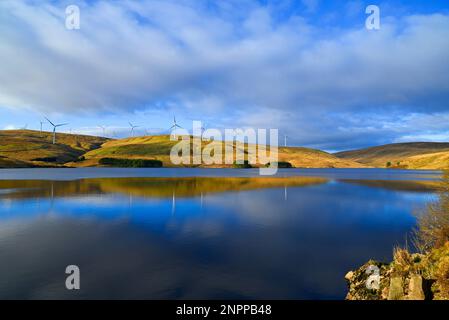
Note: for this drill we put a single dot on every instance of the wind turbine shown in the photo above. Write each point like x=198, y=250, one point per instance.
x=41, y=122
x=132, y=128
x=75, y=133
x=285, y=140
x=203, y=128
x=24, y=127
x=104, y=130
x=54, y=128
x=174, y=126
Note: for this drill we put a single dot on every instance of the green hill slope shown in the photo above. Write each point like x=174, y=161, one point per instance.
x=28, y=148
x=158, y=148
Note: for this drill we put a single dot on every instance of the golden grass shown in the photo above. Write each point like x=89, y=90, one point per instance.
x=415, y=155
x=433, y=222
x=158, y=147
x=11, y=163
x=23, y=147
x=438, y=160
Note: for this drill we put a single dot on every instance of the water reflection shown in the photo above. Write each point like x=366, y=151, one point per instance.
x=192, y=237
x=410, y=185
x=145, y=187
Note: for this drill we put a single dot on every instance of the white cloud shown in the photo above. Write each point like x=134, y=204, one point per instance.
x=439, y=137
x=235, y=61
x=117, y=62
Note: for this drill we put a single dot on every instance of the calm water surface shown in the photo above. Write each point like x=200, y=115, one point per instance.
x=200, y=233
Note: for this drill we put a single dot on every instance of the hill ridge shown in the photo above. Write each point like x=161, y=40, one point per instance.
x=407, y=155
x=158, y=147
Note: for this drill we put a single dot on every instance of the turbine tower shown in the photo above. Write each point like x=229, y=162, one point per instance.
x=54, y=128
x=41, y=122
x=132, y=128
x=285, y=140
x=203, y=128
x=174, y=126
x=104, y=130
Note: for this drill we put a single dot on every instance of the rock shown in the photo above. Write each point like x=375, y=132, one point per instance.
x=396, y=292
x=349, y=275
x=399, y=281
x=415, y=289
x=384, y=294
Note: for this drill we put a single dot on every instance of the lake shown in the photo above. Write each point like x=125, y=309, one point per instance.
x=200, y=233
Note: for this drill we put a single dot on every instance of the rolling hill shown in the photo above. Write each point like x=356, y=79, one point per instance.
x=413, y=155
x=158, y=148
x=28, y=148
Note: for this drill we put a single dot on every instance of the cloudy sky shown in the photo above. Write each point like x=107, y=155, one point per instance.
x=307, y=67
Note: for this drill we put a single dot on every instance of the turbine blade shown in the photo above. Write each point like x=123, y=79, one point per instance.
x=49, y=121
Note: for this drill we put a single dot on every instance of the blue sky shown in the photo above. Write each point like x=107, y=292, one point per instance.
x=307, y=67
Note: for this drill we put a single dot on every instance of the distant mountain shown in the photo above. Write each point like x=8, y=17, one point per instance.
x=158, y=148
x=29, y=148
x=412, y=155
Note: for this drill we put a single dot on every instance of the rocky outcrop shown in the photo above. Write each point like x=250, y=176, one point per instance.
x=416, y=288
x=407, y=277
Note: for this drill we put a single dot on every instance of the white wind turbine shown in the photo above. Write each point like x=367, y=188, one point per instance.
x=149, y=132
x=54, y=128
x=104, y=130
x=41, y=122
x=203, y=128
x=285, y=140
x=174, y=126
x=132, y=128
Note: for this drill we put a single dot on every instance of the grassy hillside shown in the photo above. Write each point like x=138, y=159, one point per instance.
x=28, y=148
x=437, y=160
x=414, y=155
x=12, y=163
x=158, y=148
